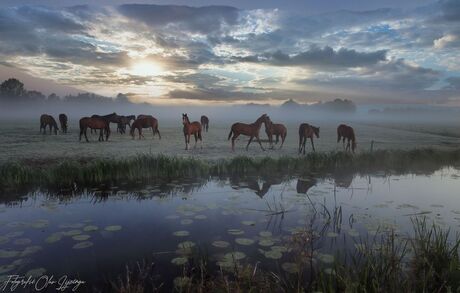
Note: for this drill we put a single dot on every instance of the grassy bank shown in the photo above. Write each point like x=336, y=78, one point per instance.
x=426, y=262
x=143, y=167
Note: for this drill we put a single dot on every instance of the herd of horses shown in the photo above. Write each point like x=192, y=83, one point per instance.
x=345, y=133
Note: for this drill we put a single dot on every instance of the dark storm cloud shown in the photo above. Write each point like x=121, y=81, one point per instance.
x=320, y=57
x=451, y=10
x=204, y=20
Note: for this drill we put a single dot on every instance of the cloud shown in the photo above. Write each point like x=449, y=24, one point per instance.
x=450, y=10
x=204, y=20
x=447, y=41
x=326, y=58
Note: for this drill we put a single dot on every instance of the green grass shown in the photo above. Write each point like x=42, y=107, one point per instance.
x=144, y=167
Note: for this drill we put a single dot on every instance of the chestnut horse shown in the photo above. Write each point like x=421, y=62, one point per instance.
x=307, y=131
x=346, y=132
x=191, y=128
x=95, y=123
x=277, y=130
x=123, y=121
x=110, y=118
x=63, y=121
x=204, y=123
x=48, y=120
x=251, y=130
x=146, y=122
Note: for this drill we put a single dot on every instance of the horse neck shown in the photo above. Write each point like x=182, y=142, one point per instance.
x=258, y=122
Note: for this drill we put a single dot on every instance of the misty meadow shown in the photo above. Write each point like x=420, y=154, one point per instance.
x=225, y=146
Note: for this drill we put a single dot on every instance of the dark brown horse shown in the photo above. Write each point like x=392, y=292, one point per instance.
x=204, y=123
x=110, y=118
x=143, y=116
x=63, y=121
x=191, y=128
x=251, y=130
x=277, y=130
x=48, y=120
x=307, y=131
x=146, y=122
x=95, y=123
x=124, y=121
x=346, y=132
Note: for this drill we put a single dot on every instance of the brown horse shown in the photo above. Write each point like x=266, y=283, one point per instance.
x=277, y=130
x=48, y=120
x=63, y=121
x=123, y=121
x=307, y=131
x=143, y=116
x=110, y=118
x=146, y=122
x=191, y=128
x=346, y=132
x=204, y=123
x=95, y=123
x=251, y=130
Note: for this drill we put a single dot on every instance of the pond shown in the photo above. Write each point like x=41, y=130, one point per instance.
x=92, y=233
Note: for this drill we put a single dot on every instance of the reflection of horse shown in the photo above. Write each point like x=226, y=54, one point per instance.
x=346, y=132
x=303, y=185
x=204, y=123
x=251, y=130
x=191, y=128
x=307, y=131
x=48, y=120
x=343, y=179
x=95, y=123
x=277, y=130
x=253, y=184
x=146, y=122
x=63, y=121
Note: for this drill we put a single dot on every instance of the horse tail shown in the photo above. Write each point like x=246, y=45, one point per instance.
x=338, y=135
x=230, y=134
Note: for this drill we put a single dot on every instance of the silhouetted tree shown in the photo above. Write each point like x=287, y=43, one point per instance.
x=12, y=88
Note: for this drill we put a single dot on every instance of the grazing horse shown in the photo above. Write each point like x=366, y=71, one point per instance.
x=251, y=130
x=191, y=128
x=346, y=132
x=146, y=122
x=123, y=121
x=110, y=118
x=63, y=121
x=95, y=123
x=277, y=130
x=307, y=131
x=48, y=120
x=204, y=123
x=143, y=116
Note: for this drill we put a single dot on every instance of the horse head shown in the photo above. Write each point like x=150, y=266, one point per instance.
x=316, y=131
x=185, y=119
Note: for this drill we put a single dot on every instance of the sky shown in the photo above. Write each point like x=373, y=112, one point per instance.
x=230, y=52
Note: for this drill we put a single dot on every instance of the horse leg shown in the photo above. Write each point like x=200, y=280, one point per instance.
x=312, y=144
x=86, y=137
x=159, y=135
x=186, y=143
x=283, y=137
x=277, y=139
x=201, y=140
x=195, y=135
x=250, y=139
x=303, y=144
x=258, y=140
x=235, y=136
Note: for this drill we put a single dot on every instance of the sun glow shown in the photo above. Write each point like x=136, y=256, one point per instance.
x=146, y=69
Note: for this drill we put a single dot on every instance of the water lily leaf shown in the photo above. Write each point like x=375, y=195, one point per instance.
x=113, y=228
x=181, y=233
x=179, y=261
x=71, y=233
x=266, y=242
x=81, y=237
x=244, y=241
x=235, y=255
x=90, y=228
x=4, y=239
x=8, y=253
x=39, y=224
x=182, y=282
x=14, y=234
x=22, y=241
x=55, y=237
x=265, y=234
x=235, y=231
x=31, y=250
x=186, y=244
x=326, y=258
x=273, y=254
x=248, y=223
x=221, y=244
x=290, y=267
x=82, y=245
x=332, y=234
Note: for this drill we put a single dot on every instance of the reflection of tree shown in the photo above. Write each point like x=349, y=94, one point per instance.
x=304, y=184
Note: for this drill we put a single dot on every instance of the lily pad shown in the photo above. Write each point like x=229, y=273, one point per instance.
x=235, y=231
x=332, y=234
x=113, y=228
x=248, y=223
x=71, y=233
x=182, y=282
x=236, y=255
x=186, y=244
x=55, y=237
x=4, y=239
x=82, y=237
x=326, y=258
x=290, y=267
x=14, y=234
x=182, y=233
x=186, y=221
x=179, y=261
x=266, y=242
x=90, y=228
x=31, y=250
x=82, y=245
x=22, y=241
x=221, y=244
x=244, y=241
x=265, y=234
x=4, y=253
x=273, y=254
x=39, y=224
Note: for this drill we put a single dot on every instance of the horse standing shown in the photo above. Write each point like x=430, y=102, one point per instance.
x=204, y=123
x=95, y=123
x=63, y=120
x=277, y=130
x=123, y=121
x=346, y=132
x=110, y=118
x=48, y=120
x=307, y=131
x=251, y=130
x=191, y=128
x=146, y=122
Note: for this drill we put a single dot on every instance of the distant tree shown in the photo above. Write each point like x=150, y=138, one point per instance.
x=12, y=88
x=53, y=98
x=122, y=98
x=34, y=95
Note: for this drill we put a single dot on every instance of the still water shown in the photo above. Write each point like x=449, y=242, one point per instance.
x=92, y=233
